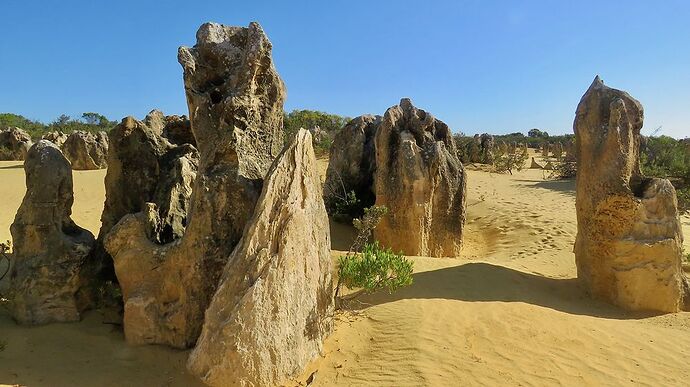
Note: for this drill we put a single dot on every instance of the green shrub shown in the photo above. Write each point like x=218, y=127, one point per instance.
x=507, y=161
x=668, y=158
x=369, y=266
x=563, y=170
x=375, y=268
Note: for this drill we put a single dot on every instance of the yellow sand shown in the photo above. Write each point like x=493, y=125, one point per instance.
x=508, y=312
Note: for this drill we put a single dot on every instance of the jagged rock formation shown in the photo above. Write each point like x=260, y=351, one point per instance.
x=86, y=150
x=270, y=314
x=178, y=130
x=485, y=144
x=546, y=149
x=145, y=168
x=56, y=137
x=235, y=99
x=352, y=162
x=422, y=182
x=14, y=144
x=50, y=251
x=155, y=121
x=628, y=245
x=570, y=151
x=535, y=165
x=558, y=150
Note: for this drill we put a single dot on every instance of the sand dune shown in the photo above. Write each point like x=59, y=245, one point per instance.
x=509, y=312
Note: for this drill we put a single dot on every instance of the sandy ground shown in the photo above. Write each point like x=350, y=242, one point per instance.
x=509, y=312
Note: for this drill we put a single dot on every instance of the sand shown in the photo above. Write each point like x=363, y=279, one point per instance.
x=509, y=312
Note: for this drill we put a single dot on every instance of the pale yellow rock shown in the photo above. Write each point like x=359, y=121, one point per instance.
x=272, y=309
x=422, y=183
x=628, y=245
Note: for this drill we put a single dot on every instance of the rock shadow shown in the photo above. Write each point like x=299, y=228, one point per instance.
x=484, y=282
x=562, y=186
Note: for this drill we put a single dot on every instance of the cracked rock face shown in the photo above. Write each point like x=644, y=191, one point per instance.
x=14, y=144
x=352, y=161
x=628, y=245
x=235, y=100
x=86, y=150
x=421, y=181
x=56, y=137
x=48, y=281
x=272, y=309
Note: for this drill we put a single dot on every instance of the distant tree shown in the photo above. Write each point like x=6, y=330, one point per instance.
x=536, y=133
x=309, y=119
x=95, y=119
x=62, y=120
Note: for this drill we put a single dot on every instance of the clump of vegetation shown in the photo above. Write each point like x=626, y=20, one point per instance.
x=506, y=160
x=89, y=121
x=3, y=345
x=669, y=158
x=343, y=203
x=5, y=259
x=563, y=169
x=368, y=266
x=323, y=125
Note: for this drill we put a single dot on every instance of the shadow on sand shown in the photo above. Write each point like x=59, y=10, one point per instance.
x=484, y=282
x=16, y=166
x=564, y=186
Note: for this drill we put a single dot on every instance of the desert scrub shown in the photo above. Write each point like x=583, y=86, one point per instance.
x=507, y=161
x=375, y=268
x=368, y=266
x=563, y=170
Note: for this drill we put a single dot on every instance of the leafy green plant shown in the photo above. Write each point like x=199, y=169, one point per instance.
x=669, y=158
x=375, y=268
x=3, y=345
x=563, y=170
x=507, y=161
x=368, y=266
x=4, y=250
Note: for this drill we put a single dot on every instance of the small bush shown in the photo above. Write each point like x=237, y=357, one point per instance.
x=369, y=266
x=507, y=161
x=375, y=268
x=563, y=170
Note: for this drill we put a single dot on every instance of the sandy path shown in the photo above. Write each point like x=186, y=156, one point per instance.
x=507, y=313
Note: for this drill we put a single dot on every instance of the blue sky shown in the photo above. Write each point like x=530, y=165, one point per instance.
x=480, y=66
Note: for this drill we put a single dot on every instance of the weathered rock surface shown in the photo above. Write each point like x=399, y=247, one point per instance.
x=271, y=312
x=178, y=130
x=482, y=149
x=155, y=121
x=14, y=144
x=420, y=179
x=47, y=281
x=535, y=165
x=235, y=99
x=145, y=168
x=546, y=149
x=557, y=150
x=628, y=245
x=352, y=162
x=86, y=150
x=56, y=137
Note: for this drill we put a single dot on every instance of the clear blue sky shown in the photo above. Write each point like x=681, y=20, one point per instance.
x=496, y=66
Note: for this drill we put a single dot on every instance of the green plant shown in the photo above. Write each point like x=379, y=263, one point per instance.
x=507, y=161
x=375, y=268
x=368, y=265
x=3, y=345
x=563, y=170
x=4, y=250
x=669, y=158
